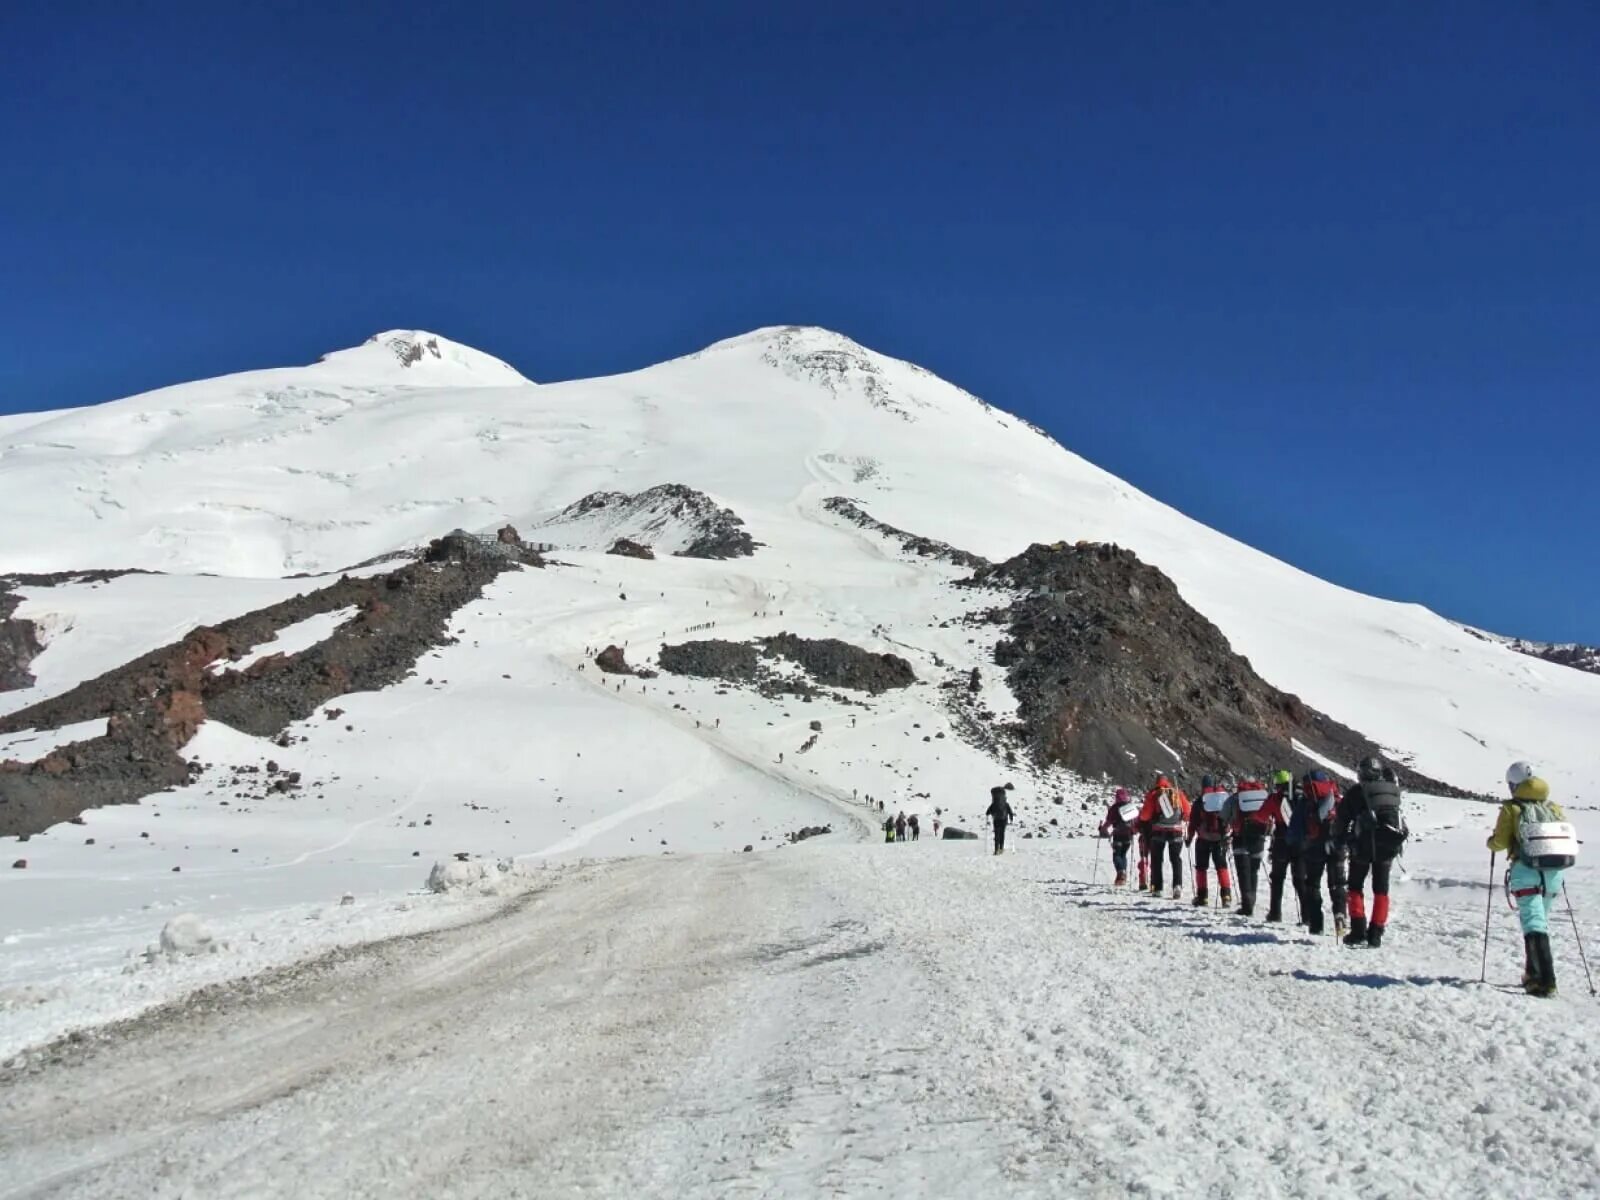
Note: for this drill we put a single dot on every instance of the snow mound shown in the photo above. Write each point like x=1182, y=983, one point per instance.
x=32, y=744
x=479, y=876
x=185, y=936
x=426, y=358
x=290, y=640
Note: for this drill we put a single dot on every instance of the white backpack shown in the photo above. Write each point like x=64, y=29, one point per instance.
x=1543, y=841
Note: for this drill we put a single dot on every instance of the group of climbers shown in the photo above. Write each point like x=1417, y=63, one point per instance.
x=1310, y=829
x=1319, y=836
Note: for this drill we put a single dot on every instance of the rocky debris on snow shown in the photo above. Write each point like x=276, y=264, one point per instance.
x=922, y=547
x=1108, y=662
x=480, y=876
x=19, y=643
x=668, y=515
x=713, y=658
x=185, y=936
x=828, y=661
x=836, y=663
x=628, y=548
x=613, y=661
x=1565, y=654
x=952, y=834
x=809, y=831
x=156, y=702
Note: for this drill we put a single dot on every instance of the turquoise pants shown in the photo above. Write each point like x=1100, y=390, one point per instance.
x=1534, y=896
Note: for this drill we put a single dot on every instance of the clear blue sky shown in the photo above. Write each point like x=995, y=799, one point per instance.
x=1349, y=252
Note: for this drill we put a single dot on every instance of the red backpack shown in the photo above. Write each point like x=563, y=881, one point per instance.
x=1322, y=797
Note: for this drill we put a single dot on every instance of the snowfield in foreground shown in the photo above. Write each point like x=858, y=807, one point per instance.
x=917, y=1020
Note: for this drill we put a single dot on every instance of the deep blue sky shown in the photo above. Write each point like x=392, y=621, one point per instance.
x=1348, y=253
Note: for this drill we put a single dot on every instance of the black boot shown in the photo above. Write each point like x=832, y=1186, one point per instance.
x=1312, y=919
x=1274, y=915
x=1374, y=936
x=1545, y=964
x=1530, y=964
x=1358, y=932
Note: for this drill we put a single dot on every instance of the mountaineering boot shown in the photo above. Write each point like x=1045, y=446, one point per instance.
x=1244, y=910
x=1274, y=916
x=1340, y=925
x=1227, y=898
x=1374, y=936
x=1544, y=966
x=1530, y=966
x=1358, y=931
x=1177, y=892
x=1121, y=880
x=1199, y=900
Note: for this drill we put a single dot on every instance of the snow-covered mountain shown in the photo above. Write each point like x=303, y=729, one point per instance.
x=348, y=715
x=312, y=469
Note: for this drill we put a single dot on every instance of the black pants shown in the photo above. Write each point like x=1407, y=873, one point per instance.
x=1248, y=847
x=1161, y=847
x=1316, y=861
x=1285, y=863
x=999, y=836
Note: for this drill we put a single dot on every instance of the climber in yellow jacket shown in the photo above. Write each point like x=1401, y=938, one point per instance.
x=1533, y=833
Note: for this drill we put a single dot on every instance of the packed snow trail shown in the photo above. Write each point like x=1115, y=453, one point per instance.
x=921, y=1020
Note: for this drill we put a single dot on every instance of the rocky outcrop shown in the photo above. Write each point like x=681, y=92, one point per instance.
x=828, y=662
x=922, y=547
x=613, y=661
x=19, y=645
x=155, y=703
x=732, y=662
x=834, y=663
x=670, y=517
x=1116, y=675
x=1564, y=654
x=627, y=548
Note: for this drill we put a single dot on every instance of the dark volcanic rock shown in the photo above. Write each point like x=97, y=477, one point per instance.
x=827, y=660
x=1105, y=658
x=923, y=547
x=834, y=663
x=19, y=644
x=613, y=661
x=952, y=834
x=156, y=702
x=711, y=659
x=630, y=549
x=810, y=831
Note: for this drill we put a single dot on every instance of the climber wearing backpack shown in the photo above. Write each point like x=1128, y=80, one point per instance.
x=1209, y=829
x=1118, y=825
x=1320, y=854
x=1254, y=814
x=1288, y=837
x=1369, y=820
x=1162, y=821
x=1533, y=833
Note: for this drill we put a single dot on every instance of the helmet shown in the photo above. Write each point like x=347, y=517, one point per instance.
x=1282, y=777
x=1533, y=788
x=1371, y=769
x=1518, y=773
x=1206, y=781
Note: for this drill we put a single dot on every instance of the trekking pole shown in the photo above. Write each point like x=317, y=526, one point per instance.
x=1488, y=906
x=1581, y=955
x=1095, y=874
